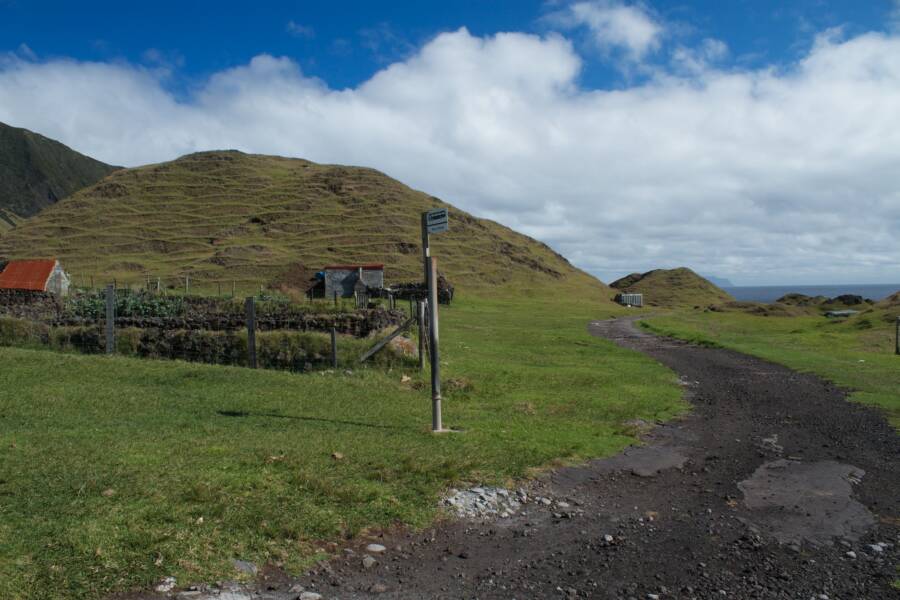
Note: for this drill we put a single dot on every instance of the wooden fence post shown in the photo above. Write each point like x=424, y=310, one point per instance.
x=334, y=348
x=110, y=319
x=250, y=306
x=420, y=317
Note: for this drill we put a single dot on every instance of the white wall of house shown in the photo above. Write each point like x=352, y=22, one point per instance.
x=58, y=282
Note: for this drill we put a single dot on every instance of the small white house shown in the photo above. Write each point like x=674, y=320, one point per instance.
x=41, y=275
x=627, y=299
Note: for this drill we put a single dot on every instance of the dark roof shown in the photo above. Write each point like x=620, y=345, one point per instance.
x=369, y=267
x=27, y=274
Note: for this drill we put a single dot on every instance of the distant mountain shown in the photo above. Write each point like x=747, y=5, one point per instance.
x=36, y=172
x=719, y=281
x=227, y=216
x=672, y=288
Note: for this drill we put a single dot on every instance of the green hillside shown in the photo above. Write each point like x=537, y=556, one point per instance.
x=227, y=216
x=36, y=172
x=672, y=288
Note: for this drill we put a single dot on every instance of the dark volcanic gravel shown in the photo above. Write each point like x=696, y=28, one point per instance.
x=775, y=486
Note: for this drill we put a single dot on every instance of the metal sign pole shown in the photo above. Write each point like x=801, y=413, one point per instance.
x=433, y=221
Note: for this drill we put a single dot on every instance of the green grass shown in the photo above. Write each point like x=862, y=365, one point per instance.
x=115, y=472
x=857, y=354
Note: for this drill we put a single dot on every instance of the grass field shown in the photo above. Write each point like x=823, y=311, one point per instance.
x=857, y=354
x=115, y=472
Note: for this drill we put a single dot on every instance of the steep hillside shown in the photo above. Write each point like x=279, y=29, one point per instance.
x=8, y=220
x=672, y=288
x=227, y=216
x=36, y=172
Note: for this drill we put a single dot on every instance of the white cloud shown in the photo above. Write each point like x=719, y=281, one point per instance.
x=614, y=25
x=785, y=174
x=699, y=59
x=301, y=31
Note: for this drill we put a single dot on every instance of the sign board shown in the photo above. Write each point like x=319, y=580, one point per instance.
x=437, y=220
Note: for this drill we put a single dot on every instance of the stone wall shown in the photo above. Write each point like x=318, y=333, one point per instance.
x=25, y=304
x=195, y=314
x=359, y=324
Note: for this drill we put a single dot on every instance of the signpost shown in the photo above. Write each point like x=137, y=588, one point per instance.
x=433, y=221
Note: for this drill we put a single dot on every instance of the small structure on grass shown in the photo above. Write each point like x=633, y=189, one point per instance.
x=630, y=299
x=40, y=275
x=345, y=280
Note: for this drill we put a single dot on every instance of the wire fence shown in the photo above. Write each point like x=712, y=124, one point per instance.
x=257, y=332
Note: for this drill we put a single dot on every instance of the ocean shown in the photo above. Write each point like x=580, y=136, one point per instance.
x=770, y=293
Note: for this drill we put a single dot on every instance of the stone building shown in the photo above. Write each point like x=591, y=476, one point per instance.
x=347, y=279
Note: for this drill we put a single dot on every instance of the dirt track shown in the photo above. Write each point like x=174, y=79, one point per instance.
x=773, y=487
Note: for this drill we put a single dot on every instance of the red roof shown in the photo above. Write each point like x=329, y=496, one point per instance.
x=27, y=275
x=369, y=267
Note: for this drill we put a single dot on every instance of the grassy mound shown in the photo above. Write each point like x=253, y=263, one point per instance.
x=672, y=288
x=227, y=216
x=761, y=309
x=36, y=172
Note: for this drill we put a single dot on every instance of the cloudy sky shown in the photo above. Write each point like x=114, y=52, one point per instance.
x=758, y=142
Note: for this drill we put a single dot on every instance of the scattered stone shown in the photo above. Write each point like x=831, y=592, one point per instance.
x=310, y=596
x=234, y=595
x=166, y=585
x=851, y=554
x=482, y=502
x=375, y=548
x=378, y=588
x=369, y=562
x=245, y=567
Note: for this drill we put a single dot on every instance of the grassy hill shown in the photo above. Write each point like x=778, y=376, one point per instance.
x=227, y=216
x=36, y=172
x=672, y=288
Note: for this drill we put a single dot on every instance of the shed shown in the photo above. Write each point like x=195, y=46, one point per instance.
x=344, y=280
x=41, y=275
x=630, y=299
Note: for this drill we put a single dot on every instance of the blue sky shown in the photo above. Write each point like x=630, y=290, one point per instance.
x=751, y=139
x=344, y=43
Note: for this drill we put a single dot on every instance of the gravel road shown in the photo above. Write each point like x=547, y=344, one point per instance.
x=774, y=486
